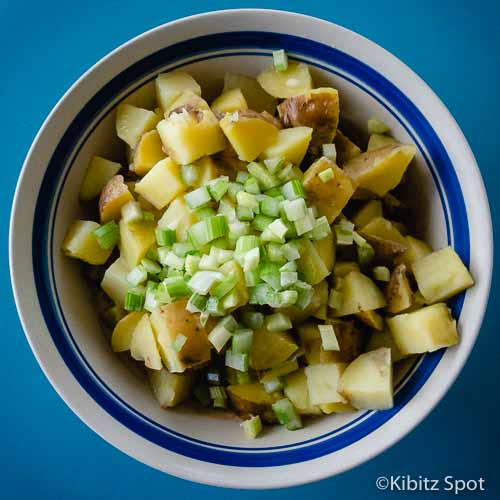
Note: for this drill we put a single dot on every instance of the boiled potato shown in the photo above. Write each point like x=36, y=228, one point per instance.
x=148, y=153
x=326, y=250
x=170, y=389
x=378, y=141
x=342, y=269
x=367, y=382
x=285, y=368
x=329, y=197
x=133, y=122
x=318, y=301
x=135, y=241
x=171, y=320
x=169, y=86
x=322, y=383
x=398, y=291
x=425, y=330
x=115, y=283
x=255, y=96
x=81, y=243
x=380, y=170
x=178, y=216
x=384, y=339
x=161, y=184
x=329, y=408
x=187, y=101
x=385, y=239
x=252, y=399
x=98, y=174
x=230, y=101
x=297, y=392
x=371, y=318
x=121, y=338
x=270, y=349
x=291, y=145
x=249, y=133
x=143, y=345
x=114, y=195
x=296, y=80
x=346, y=149
x=359, y=293
x=416, y=250
x=371, y=210
x=311, y=264
x=191, y=134
x=317, y=109
x=440, y=275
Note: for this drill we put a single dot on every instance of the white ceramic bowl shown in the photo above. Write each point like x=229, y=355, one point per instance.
x=55, y=307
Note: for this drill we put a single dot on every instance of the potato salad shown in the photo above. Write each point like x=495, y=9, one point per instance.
x=251, y=257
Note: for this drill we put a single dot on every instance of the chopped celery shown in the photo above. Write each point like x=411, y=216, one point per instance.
x=328, y=338
x=165, y=237
x=202, y=281
x=273, y=385
x=218, y=188
x=293, y=189
x=107, y=235
x=280, y=60
x=381, y=273
x=286, y=414
x=278, y=322
x=237, y=360
x=265, y=178
x=198, y=197
x=330, y=151
x=242, y=340
x=252, y=185
x=252, y=426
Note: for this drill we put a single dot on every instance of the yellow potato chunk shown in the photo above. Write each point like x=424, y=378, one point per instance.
x=292, y=144
x=326, y=250
x=230, y=101
x=424, y=330
x=122, y=333
x=135, y=241
x=80, y=243
x=329, y=408
x=371, y=210
x=114, y=195
x=255, y=96
x=346, y=149
x=297, y=392
x=440, y=275
x=252, y=399
x=296, y=80
x=367, y=382
x=148, y=153
x=115, y=283
x=385, y=238
x=143, y=345
x=98, y=174
x=322, y=383
x=178, y=216
x=270, y=349
x=381, y=170
x=342, y=269
x=378, y=141
x=416, y=250
x=161, y=184
x=329, y=197
x=249, y=133
x=191, y=134
x=170, y=389
x=169, y=86
x=311, y=264
x=372, y=319
x=189, y=101
x=133, y=122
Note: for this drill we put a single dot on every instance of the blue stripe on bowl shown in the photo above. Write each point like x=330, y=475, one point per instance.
x=373, y=83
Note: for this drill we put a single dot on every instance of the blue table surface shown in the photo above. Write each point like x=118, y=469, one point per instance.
x=46, y=452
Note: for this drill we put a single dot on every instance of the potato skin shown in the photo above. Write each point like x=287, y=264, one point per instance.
x=398, y=292
x=114, y=195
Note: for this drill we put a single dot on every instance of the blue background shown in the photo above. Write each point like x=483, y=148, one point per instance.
x=45, y=451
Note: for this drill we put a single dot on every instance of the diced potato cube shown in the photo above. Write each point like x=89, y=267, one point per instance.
x=385, y=238
x=252, y=399
x=378, y=141
x=384, y=339
x=81, y=243
x=249, y=133
x=143, y=344
x=135, y=241
x=329, y=197
x=342, y=269
x=371, y=210
x=346, y=149
x=188, y=101
x=359, y=293
x=169, y=86
x=294, y=81
x=148, y=153
x=123, y=331
x=256, y=97
x=230, y=101
x=367, y=382
x=115, y=283
x=398, y=292
x=270, y=349
x=292, y=144
x=161, y=184
x=170, y=389
x=322, y=383
x=178, y=216
x=441, y=275
x=326, y=250
x=416, y=250
x=424, y=330
x=114, y=195
x=372, y=319
x=189, y=135
x=98, y=174
x=329, y=408
x=171, y=320
x=380, y=170
x=311, y=264
x=297, y=392
x=133, y=122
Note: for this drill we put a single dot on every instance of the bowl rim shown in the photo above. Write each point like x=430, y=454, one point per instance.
x=285, y=480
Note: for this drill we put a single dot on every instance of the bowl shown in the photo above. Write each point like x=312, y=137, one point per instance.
x=56, y=309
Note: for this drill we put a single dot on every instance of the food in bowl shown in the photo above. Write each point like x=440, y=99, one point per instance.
x=253, y=257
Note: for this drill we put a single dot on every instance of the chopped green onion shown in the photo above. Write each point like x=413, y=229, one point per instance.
x=107, y=235
x=202, y=281
x=261, y=222
x=176, y=286
x=278, y=322
x=131, y=212
x=166, y=237
x=225, y=286
x=214, y=376
x=326, y=175
x=137, y=276
x=218, y=188
x=377, y=127
x=330, y=151
x=217, y=392
x=190, y=174
x=273, y=385
x=196, y=303
x=237, y=360
x=253, y=319
x=134, y=299
x=241, y=177
x=251, y=259
x=265, y=178
x=280, y=60
x=242, y=340
x=150, y=266
x=252, y=427
x=293, y=189
x=295, y=209
x=286, y=415
x=288, y=298
x=179, y=342
x=288, y=278
x=252, y=185
x=381, y=273
x=304, y=224
x=274, y=164
x=198, y=197
x=335, y=299
x=328, y=338
x=207, y=230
